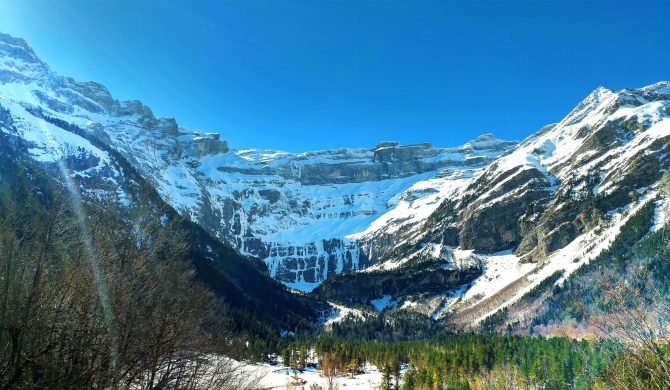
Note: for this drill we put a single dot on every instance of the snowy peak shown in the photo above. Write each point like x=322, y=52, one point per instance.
x=18, y=60
x=655, y=91
x=547, y=206
x=610, y=144
x=600, y=120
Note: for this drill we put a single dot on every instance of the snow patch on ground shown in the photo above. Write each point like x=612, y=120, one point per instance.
x=383, y=303
x=500, y=269
x=303, y=286
x=340, y=313
x=280, y=377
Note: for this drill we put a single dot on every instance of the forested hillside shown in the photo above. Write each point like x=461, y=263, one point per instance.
x=94, y=296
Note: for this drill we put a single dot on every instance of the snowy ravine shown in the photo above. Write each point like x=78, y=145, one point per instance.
x=292, y=210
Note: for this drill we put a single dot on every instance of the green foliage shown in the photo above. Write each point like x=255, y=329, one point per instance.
x=462, y=360
x=496, y=319
x=388, y=326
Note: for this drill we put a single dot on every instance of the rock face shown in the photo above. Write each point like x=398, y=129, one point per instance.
x=295, y=211
x=420, y=279
x=205, y=144
x=552, y=187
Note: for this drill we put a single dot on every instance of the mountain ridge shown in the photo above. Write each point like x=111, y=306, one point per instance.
x=551, y=204
x=265, y=203
x=455, y=233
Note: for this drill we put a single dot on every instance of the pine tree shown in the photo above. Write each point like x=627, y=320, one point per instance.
x=286, y=357
x=387, y=379
x=396, y=372
x=410, y=379
x=303, y=357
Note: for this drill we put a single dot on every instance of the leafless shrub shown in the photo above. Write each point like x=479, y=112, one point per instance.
x=92, y=297
x=638, y=320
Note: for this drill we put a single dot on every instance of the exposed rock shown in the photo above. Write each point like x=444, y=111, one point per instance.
x=420, y=279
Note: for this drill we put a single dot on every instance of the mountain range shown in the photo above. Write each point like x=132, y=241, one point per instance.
x=455, y=233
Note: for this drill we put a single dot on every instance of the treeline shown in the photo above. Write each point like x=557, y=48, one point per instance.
x=453, y=360
x=91, y=297
x=389, y=326
x=628, y=355
x=436, y=357
x=472, y=361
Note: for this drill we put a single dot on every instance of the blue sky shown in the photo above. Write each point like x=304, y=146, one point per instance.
x=315, y=75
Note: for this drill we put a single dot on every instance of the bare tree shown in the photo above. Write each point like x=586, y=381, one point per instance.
x=638, y=319
x=505, y=377
x=95, y=297
x=330, y=369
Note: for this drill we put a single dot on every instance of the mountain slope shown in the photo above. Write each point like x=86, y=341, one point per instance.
x=551, y=204
x=85, y=165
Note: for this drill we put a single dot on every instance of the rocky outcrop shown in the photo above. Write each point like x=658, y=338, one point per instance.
x=203, y=144
x=492, y=219
x=419, y=279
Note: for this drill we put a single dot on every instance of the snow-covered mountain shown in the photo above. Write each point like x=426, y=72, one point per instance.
x=456, y=233
x=53, y=127
x=294, y=211
x=551, y=204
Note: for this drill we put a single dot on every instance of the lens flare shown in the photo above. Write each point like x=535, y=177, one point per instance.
x=92, y=255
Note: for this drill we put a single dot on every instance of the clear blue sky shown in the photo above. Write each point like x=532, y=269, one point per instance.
x=314, y=75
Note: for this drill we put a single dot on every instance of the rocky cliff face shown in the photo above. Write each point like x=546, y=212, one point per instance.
x=295, y=211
